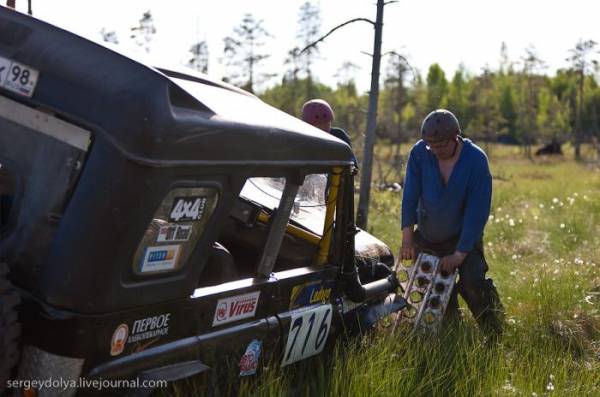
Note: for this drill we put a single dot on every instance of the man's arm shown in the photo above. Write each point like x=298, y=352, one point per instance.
x=477, y=207
x=410, y=201
x=477, y=211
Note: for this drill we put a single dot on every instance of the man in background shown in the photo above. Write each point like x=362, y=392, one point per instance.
x=319, y=114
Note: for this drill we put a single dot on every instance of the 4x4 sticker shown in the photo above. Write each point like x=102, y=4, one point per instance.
x=187, y=209
x=174, y=233
x=310, y=293
x=236, y=308
x=159, y=258
x=17, y=77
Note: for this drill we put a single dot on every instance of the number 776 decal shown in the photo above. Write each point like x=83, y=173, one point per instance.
x=308, y=333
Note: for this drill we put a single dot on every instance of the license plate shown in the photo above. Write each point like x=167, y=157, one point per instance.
x=18, y=78
x=309, y=329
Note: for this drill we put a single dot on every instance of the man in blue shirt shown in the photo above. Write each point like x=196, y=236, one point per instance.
x=447, y=195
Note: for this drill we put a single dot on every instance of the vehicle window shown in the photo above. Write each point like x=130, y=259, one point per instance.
x=175, y=229
x=264, y=191
x=309, y=207
x=8, y=188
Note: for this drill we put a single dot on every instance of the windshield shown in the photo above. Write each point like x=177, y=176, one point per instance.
x=309, y=205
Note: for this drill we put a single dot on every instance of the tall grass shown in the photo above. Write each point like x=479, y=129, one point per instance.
x=542, y=243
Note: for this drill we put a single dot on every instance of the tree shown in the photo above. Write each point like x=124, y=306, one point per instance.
x=508, y=110
x=532, y=65
x=457, y=100
x=293, y=62
x=552, y=116
x=110, y=36
x=143, y=34
x=437, y=87
x=243, y=55
x=581, y=65
x=486, y=119
x=309, y=27
x=199, y=59
x=506, y=65
x=345, y=73
x=394, y=97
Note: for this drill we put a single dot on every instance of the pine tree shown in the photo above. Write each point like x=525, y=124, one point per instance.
x=199, y=59
x=143, y=34
x=242, y=53
x=581, y=64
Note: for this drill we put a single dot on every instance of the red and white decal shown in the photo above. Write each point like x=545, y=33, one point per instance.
x=174, y=233
x=236, y=308
x=117, y=343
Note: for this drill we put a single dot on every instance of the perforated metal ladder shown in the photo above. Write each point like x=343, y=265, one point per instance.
x=427, y=291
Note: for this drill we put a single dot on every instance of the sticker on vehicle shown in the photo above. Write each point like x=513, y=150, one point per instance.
x=310, y=293
x=249, y=361
x=150, y=327
x=187, y=209
x=160, y=258
x=308, y=333
x=117, y=342
x=236, y=308
x=17, y=77
x=174, y=233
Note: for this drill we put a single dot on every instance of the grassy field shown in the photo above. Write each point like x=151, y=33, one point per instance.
x=542, y=242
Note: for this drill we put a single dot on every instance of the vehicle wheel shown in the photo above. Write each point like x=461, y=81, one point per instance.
x=10, y=329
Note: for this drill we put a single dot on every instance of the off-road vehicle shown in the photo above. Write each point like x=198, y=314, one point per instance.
x=156, y=224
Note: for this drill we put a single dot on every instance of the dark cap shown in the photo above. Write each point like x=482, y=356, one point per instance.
x=439, y=125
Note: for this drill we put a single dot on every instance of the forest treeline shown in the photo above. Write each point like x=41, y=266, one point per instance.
x=512, y=103
x=515, y=101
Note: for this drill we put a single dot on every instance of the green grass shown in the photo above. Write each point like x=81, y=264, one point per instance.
x=543, y=244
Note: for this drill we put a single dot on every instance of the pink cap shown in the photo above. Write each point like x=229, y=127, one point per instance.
x=316, y=111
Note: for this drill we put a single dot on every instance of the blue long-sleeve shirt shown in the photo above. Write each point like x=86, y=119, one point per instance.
x=443, y=211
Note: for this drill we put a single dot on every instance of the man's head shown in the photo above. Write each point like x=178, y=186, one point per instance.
x=440, y=131
x=318, y=113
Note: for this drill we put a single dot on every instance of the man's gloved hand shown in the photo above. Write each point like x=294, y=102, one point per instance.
x=450, y=262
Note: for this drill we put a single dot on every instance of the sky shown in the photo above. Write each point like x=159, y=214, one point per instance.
x=449, y=32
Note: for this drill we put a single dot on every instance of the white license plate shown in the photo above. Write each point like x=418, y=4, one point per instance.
x=308, y=333
x=16, y=77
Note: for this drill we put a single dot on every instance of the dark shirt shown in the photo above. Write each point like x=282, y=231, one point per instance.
x=341, y=134
x=444, y=211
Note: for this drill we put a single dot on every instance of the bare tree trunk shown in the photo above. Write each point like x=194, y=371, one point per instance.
x=578, y=119
x=365, y=177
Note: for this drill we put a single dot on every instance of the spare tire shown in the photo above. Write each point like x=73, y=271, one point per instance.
x=10, y=329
